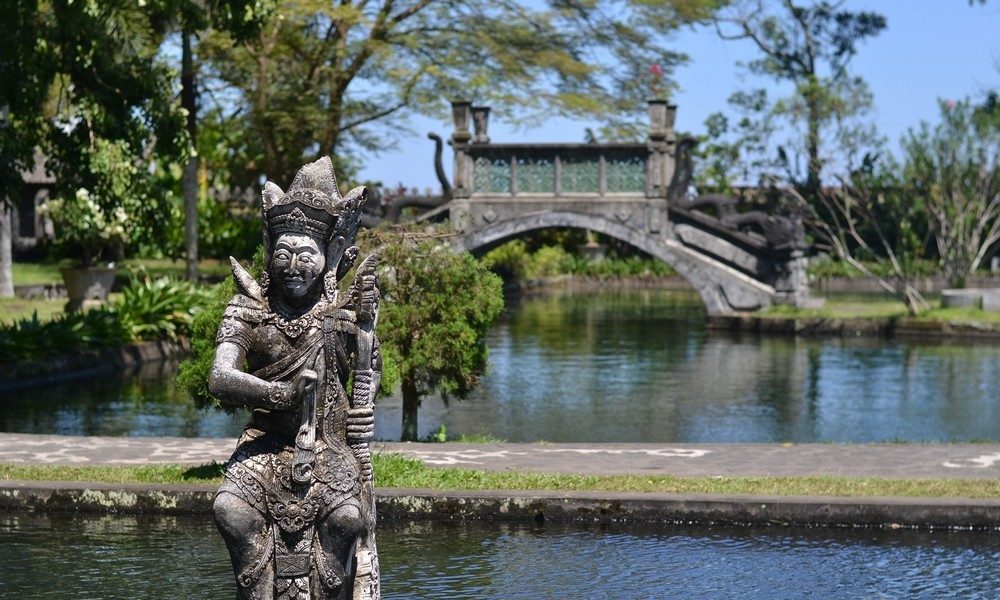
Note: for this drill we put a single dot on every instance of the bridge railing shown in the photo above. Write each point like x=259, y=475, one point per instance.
x=486, y=169
x=559, y=169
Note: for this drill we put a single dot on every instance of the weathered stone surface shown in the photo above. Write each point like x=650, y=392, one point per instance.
x=723, y=288
x=297, y=506
x=737, y=261
x=591, y=507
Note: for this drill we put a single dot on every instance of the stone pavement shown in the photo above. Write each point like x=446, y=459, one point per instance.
x=854, y=460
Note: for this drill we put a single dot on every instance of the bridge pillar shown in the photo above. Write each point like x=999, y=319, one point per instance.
x=462, y=176
x=661, y=145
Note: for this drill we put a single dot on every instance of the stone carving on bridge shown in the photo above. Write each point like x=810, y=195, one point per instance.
x=297, y=507
x=738, y=258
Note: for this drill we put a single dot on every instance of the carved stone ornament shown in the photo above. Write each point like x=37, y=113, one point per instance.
x=297, y=506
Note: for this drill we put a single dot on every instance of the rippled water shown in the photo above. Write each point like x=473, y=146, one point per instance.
x=617, y=367
x=126, y=558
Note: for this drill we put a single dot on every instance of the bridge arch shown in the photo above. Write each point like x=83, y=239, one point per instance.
x=721, y=287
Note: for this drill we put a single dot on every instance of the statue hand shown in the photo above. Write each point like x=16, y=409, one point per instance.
x=305, y=383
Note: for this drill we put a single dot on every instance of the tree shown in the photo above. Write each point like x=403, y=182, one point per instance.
x=76, y=73
x=438, y=307
x=239, y=19
x=327, y=78
x=954, y=169
x=26, y=68
x=810, y=47
x=872, y=214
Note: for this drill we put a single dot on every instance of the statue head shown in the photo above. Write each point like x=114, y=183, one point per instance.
x=309, y=231
x=296, y=264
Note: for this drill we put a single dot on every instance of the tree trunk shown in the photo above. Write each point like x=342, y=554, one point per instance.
x=6, y=250
x=189, y=180
x=411, y=402
x=815, y=166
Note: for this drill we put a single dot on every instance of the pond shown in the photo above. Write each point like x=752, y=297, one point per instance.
x=64, y=557
x=627, y=366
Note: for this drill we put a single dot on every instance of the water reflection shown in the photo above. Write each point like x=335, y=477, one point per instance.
x=142, y=402
x=183, y=557
x=619, y=367
x=639, y=366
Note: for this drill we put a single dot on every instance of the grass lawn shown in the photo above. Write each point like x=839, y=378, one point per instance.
x=393, y=470
x=15, y=309
x=882, y=307
x=41, y=273
x=36, y=273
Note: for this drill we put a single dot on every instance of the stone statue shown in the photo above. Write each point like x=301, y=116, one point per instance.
x=297, y=507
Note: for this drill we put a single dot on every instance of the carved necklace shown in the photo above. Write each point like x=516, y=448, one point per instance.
x=293, y=328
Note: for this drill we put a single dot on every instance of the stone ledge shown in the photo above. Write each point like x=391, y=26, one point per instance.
x=502, y=505
x=65, y=367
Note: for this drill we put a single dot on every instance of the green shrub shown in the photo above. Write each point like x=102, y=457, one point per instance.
x=513, y=262
x=827, y=268
x=548, y=261
x=509, y=261
x=192, y=375
x=148, y=309
x=30, y=339
x=224, y=231
x=160, y=308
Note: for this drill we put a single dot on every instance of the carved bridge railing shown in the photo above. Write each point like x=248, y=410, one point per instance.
x=638, y=169
x=559, y=169
x=654, y=175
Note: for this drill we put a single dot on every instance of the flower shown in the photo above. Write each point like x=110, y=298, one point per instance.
x=84, y=228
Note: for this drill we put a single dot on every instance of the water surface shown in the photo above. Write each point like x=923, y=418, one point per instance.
x=618, y=367
x=111, y=558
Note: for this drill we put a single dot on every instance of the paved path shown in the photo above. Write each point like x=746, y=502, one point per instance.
x=857, y=460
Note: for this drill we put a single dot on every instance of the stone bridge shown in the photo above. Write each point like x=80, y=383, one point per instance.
x=633, y=192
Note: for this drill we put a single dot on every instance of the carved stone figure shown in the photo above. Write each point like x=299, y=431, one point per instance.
x=297, y=508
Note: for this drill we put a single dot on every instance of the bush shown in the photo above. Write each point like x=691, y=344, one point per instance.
x=827, y=268
x=192, y=375
x=509, y=261
x=30, y=339
x=148, y=309
x=513, y=262
x=160, y=308
x=225, y=232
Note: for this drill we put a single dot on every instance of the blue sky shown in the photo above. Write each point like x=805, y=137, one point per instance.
x=931, y=49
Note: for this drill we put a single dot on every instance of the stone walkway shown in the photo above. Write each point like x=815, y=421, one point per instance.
x=855, y=460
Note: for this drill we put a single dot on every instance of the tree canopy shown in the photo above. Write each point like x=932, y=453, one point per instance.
x=438, y=308
x=809, y=46
x=325, y=78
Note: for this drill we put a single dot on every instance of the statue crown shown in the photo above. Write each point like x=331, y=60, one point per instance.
x=312, y=205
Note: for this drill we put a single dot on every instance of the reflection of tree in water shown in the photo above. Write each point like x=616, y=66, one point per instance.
x=952, y=384
x=141, y=401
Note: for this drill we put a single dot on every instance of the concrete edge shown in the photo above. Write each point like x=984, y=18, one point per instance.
x=397, y=504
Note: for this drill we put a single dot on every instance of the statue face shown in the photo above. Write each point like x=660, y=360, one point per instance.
x=296, y=264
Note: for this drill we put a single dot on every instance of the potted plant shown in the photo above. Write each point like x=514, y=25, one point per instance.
x=86, y=233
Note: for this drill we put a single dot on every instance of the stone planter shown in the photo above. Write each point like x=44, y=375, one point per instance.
x=87, y=286
x=985, y=298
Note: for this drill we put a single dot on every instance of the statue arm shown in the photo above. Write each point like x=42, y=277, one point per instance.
x=232, y=386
